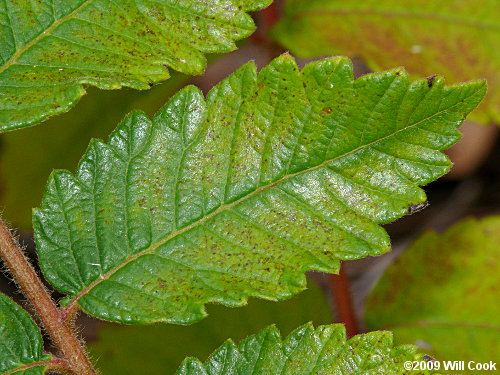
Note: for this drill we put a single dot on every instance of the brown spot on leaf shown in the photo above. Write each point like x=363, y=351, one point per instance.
x=326, y=110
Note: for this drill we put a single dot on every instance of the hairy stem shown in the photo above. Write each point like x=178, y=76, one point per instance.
x=343, y=302
x=61, y=334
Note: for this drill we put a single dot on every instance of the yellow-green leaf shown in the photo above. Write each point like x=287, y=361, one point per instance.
x=456, y=38
x=238, y=195
x=442, y=293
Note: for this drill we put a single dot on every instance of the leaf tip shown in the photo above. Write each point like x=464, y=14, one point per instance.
x=285, y=59
x=480, y=84
x=270, y=330
x=470, y=93
x=400, y=71
x=340, y=60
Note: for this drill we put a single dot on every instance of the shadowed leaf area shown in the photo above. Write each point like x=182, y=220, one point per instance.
x=308, y=350
x=456, y=38
x=21, y=342
x=163, y=346
x=442, y=293
x=216, y=200
x=50, y=50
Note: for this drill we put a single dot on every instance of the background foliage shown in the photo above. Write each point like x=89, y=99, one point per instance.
x=442, y=293
x=455, y=38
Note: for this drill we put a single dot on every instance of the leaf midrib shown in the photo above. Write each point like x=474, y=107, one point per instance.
x=149, y=250
x=28, y=366
x=42, y=35
x=400, y=14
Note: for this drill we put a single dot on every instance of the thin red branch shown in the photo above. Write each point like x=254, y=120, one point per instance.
x=342, y=296
x=270, y=16
x=266, y=18
x=32, y=287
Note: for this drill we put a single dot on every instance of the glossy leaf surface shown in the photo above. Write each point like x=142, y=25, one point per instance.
x=456, y=38
x=50, y=50
x=442, y=293
x=274, y=174
x=163, y=346
x=21, y=342
x=307, y=350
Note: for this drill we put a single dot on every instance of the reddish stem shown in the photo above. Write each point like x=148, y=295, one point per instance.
x=270, y=16
x=267, y=18
x=52, y=364
x=61, y=334
x=342, y=296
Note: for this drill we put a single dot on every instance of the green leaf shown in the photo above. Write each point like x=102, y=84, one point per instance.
x=443, y=293
x=21, y=342
x=307, y=350
x=50, y=50
x=456, y=38
x=274, y=174
x=163, y=346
